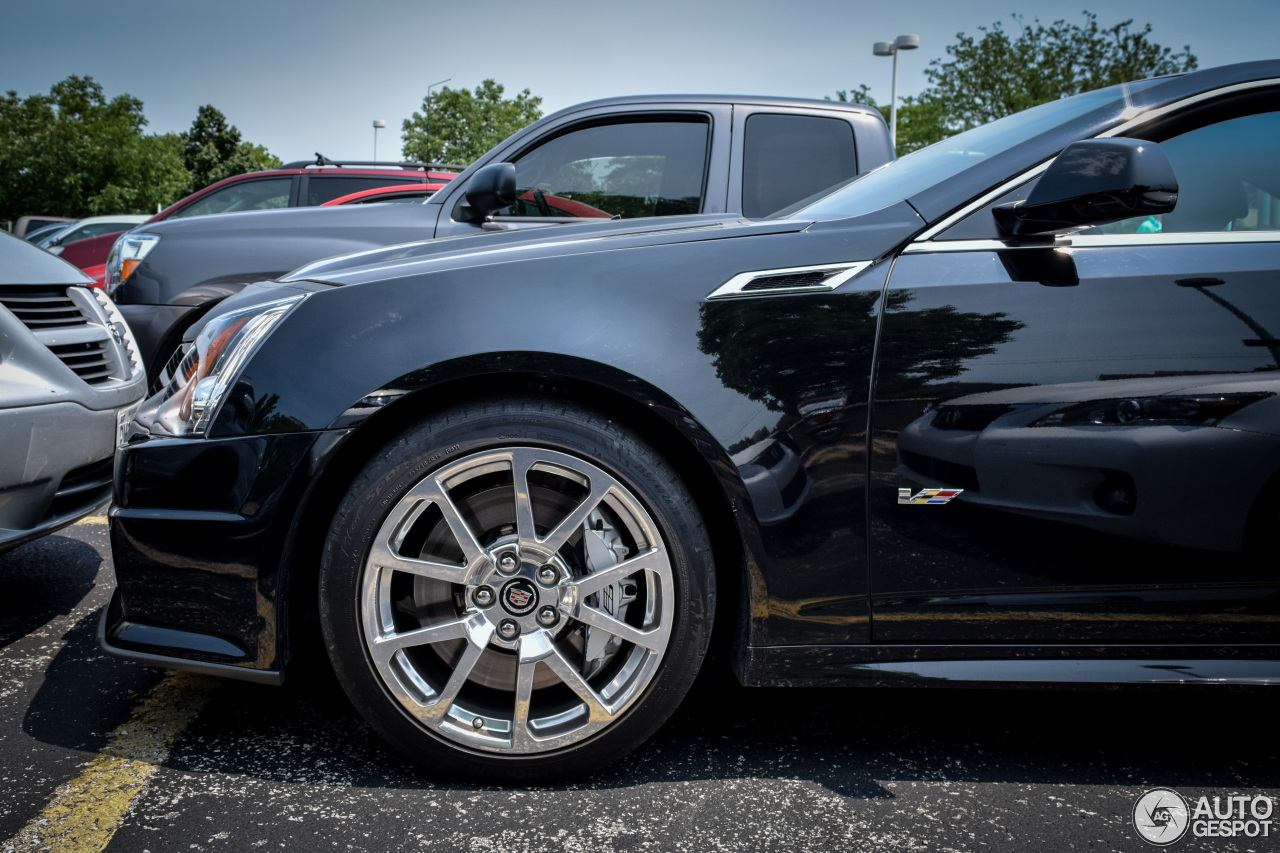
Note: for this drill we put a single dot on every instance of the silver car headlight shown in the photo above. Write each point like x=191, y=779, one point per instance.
x=191, y=397
x=126, y=253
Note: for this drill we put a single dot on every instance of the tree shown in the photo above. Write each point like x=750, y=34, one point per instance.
x=921, y=119
x=457, y=126
x=1000, y=73
x=73, y=152
x=213, y=150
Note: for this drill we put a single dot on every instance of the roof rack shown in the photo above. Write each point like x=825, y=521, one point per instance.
x=322, y=160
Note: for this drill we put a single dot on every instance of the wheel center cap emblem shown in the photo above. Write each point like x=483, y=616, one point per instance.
x=519, y=597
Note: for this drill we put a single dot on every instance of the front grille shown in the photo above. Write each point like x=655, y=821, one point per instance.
x=82, y=489
x=968, y=418
x=940, y=470
x=90, y=361
x=788, y=281
x=45, y=309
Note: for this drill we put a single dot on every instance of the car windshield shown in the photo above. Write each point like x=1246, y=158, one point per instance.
x=943, y=160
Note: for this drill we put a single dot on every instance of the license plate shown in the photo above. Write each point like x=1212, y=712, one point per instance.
x=124, y=423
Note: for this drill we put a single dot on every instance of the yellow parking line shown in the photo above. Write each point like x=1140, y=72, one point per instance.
x=84, y=814
x=93, y=519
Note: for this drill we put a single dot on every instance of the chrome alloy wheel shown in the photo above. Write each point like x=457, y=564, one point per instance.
x=517, y=601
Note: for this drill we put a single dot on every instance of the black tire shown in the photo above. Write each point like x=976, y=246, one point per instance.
x=449, y=439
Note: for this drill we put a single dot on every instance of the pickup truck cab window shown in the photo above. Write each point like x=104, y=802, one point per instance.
x=267, y=194
x=787, y=158
x=623, y=170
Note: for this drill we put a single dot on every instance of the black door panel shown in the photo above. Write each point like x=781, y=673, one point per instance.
x=1115, y=429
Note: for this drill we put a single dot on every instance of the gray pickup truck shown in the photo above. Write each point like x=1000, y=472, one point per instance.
x=660, y=155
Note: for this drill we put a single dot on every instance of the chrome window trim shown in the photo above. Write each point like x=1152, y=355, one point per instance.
x=734, y=286
x=1123, y=127
x=1085, y=241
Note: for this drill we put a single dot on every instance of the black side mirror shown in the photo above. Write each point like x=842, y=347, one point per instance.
x=489, y=190
x=1094, y=182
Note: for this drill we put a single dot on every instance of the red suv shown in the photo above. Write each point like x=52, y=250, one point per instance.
x=304, y=183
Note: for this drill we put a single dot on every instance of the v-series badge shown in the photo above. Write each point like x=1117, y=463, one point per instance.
x=927, y=496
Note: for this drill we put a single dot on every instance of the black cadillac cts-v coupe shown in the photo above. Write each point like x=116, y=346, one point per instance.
x=1004, y=410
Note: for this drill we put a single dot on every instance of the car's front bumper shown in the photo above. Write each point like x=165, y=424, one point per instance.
x=200, y=531
x=55, y=469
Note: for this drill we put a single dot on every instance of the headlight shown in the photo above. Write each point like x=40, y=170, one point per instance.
x=1198, y=410
x=190, y=399
x=126, y=253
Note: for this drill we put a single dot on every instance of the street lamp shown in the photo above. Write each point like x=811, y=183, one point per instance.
x=426, y=122
x=378, y=124
x=891, y=48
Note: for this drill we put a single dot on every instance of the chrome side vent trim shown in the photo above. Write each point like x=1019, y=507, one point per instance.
x=815, y=279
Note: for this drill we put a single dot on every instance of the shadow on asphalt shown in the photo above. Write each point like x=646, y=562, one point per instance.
x=850, y=740
x=41, y=580
x=85, y=694
x=847, y=740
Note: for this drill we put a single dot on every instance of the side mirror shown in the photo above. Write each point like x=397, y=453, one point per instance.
x=489, y=190
x=1094, y=182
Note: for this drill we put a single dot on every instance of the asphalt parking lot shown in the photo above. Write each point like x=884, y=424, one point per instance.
x=98, y=751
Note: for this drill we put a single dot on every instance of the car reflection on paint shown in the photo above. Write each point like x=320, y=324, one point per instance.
x=1114, y=455
x=775, y=478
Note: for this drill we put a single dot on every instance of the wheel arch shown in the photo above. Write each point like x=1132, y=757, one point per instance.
x=709, y=473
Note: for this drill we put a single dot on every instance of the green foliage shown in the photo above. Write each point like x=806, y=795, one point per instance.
x=457, y=126
x=922, y=120
x=999, y=73
x=213, y=150
x=75, y=153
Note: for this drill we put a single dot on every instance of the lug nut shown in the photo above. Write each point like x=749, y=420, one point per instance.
x=508, y=563
x=548, y=576
x=483, y=596
x=508, y=629
x=548, y=616
x=477, y=723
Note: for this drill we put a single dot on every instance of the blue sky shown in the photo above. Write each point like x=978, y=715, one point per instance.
x=305, y=77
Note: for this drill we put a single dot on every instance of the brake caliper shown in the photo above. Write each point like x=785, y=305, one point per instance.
x=603, y=549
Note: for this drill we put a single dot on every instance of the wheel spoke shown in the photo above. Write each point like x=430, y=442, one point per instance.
x=597, y=581
x=521, y=738
x=382, y=555
x=654, y=639
x=479, y=633
x=596, y=709
x=573, y=521
x=384, y=647
x=433, y=490
x=521, y=462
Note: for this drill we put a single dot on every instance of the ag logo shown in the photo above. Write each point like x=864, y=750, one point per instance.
x=1161, y=816
x=927, y=496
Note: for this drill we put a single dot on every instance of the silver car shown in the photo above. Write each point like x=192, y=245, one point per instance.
x=70, y=377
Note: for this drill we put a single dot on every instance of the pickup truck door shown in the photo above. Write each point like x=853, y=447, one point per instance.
x=1108, y=409
x=620, y=162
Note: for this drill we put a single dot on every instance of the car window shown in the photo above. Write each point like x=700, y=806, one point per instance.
x=265, y=194
x=787, y=158
x=946, y=160
x=1228, y=180
x=95, y=229
x=621, y=171
x=322, y=188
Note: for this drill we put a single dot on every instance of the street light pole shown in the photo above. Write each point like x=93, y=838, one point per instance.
x=891, y=48
x=426, y=122
x=378, y=124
